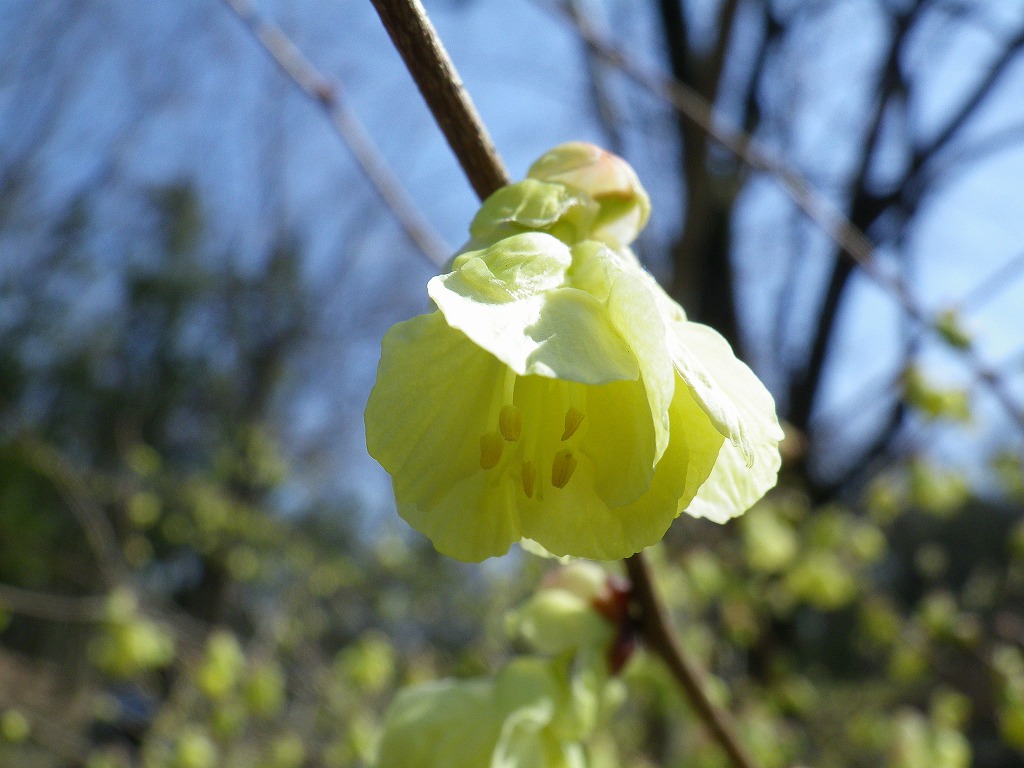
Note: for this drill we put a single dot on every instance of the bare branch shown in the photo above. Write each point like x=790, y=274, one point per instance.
x=661, y=640
x=45, y=605
x=799, y=237
x=654, y=623
x=1004, y=277
x=716, y=63
x=1013, y=363
x=988, y=82
x=943, y=168
x=428, y=63
x=851, y=241
x=699, y=111
x=863, y=212
x=702, y=278
x=673, y=23
x=327, y=95
x=604, y=103
x=99, y=532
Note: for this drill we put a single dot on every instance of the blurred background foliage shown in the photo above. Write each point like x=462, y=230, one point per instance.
x=199, y=566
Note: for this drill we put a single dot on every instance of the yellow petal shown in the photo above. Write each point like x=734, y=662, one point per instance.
x=561, y=332
x=733, y=486
x=575, y=520
x=424, y=423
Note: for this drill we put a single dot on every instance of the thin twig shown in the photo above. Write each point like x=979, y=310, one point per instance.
x=998, y=281
x=805, y=386
x=995, y=72
x=99, y=532
x=661, y=639
x=487, y=173
x=698, y=110
x=428, y=63
x=604, y=103
x=851, y=241
x=45, y=605
x=327, y=94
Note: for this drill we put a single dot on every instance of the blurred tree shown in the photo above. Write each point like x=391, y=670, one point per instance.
x=182, y=295
x=894, y=158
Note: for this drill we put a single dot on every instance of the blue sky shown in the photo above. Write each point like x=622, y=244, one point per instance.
x=130, y=96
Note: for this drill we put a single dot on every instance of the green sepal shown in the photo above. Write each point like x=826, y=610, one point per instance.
x=623, y=204
x=534, y=206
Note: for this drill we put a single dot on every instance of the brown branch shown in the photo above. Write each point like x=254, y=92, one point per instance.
x=850, y=240
x=697, y=109
x=327, y=95
x=45, y=605
x=930, y=160
x=99, y=532
x=487, y=173
x=702, y=272
x=945, y=168
x=677, y=40
x=1004, y=277
x=805, y=389
x=604, y=102
x=968, y=108
x=773, y=31
x=428, y=63
x=661, y=640
x=716, y=61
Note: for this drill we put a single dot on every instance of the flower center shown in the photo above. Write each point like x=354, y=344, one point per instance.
x=538, y=424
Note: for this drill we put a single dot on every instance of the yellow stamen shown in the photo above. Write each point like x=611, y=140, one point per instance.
x=573, y=419
x=529, y=473
x=491, y=446
x=510, y=422
x=562, y=467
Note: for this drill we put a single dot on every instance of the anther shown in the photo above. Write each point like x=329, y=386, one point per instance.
x=529, y=478
x=562, y=467
x=510, y=422
x=573, y=419
x=491, y=446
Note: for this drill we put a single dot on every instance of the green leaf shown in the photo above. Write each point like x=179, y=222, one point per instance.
x=534, y=206
x=949, y=327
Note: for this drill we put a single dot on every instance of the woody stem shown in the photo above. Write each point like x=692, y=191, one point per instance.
x=435, y=75
x=660, y=638
x=428, y=63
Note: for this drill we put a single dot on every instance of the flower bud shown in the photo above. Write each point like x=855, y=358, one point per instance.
x=623, y=205
x=504, y=720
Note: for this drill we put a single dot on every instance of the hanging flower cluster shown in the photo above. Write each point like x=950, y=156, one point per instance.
x=557, y=393
x=539, y=709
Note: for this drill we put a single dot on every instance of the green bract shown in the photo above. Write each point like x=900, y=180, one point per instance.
x=514, y=720
x=533, y=206
x=557, y=393
x=623, y=205
x=537, y=711
x=563, y=615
